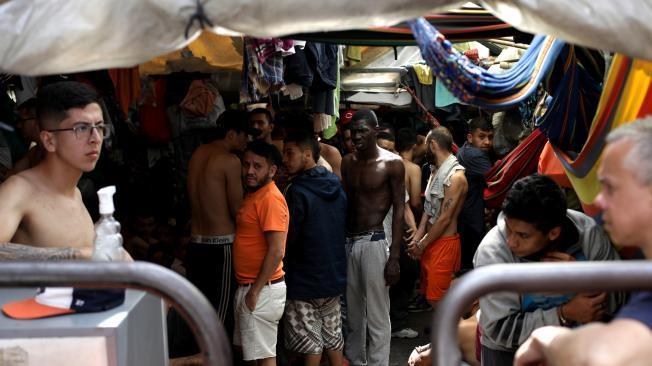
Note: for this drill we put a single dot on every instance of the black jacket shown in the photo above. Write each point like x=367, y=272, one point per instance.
x=315, y=257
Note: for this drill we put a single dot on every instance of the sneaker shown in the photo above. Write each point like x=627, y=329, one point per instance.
x=419, y=307
x=405, y=333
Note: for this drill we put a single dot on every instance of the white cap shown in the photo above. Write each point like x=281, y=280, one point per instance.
x=106, y=200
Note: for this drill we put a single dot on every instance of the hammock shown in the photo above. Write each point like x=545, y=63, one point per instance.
x=626, y=96
x=474, y=85
x=569, y=115
x=520, y=162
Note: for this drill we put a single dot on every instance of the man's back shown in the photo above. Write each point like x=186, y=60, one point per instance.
x=36, y=215
x=212, y=174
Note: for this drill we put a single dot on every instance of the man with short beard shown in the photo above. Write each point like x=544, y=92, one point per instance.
x=215, y=194
x=261, y=230
x=437, y=242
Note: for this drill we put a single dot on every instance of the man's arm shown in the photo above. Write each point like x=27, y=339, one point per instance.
x=396, y=171
x=334, y=158
x=234, y=191
x=13, y=195
x=453, y=198
x=414, y=189
x=20, y=252
x=274, y=256
x=621, y=342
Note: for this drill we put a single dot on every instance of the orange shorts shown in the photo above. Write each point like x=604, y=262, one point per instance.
x=440, y=260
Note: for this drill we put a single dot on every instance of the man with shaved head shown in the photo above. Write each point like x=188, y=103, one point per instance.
x=374, y=180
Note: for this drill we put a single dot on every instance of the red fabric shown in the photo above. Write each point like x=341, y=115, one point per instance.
x=519, y=163
x=550, y=165
x=199, y=101
x=153, y=119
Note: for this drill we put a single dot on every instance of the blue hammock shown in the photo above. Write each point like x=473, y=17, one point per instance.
x=476, y=86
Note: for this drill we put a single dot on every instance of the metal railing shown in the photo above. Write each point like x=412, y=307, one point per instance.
x=185, y=297
x=585, y=276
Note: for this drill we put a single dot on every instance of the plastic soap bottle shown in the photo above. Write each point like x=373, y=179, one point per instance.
x=108, y=241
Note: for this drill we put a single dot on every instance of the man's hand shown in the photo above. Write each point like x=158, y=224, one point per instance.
x=414, y=250
x=557, y=257
x=392, y=271
x=421, y=356
x=585, y=308
x=409, y=234
x=533, y=351
x=251, y=298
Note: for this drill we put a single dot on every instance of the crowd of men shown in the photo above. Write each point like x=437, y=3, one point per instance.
x=285, y=232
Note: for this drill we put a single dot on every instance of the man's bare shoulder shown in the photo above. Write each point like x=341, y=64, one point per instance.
x=224, y=161
x=347, y=160
x=411, y=167
x=389, y=156
x=328, y=150
x=18, y=186
x=458, y=180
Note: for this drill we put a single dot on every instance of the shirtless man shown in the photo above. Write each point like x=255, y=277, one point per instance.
x=374, y=180
x=215, y=192
x=332, y=157
x=437, y=242
x=406, y=143
x=42, y=212
x=28, y=126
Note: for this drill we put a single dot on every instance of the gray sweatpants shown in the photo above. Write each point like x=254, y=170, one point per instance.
x=367, y=300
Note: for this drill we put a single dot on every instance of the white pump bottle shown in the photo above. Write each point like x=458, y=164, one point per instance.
x=108, y=240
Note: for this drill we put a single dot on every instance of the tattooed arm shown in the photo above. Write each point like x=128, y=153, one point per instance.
x=20, y=252
x=450, y=207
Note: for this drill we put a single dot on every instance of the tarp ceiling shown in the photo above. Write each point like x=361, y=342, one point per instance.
x=58, y=36
x=460, y=24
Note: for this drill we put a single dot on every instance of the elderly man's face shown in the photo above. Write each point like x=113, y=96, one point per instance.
x=626, y=202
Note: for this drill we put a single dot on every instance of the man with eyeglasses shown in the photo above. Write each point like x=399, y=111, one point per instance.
x=42, y=213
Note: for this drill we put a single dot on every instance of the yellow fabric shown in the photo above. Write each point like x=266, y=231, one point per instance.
x=353, y=53
x=208, y=53
x=424, y=73
x=629, y=105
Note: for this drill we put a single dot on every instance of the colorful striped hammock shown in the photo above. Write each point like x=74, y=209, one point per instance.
x=626, y=96
x=573, y=104
x=474, y=85
x=520, y=162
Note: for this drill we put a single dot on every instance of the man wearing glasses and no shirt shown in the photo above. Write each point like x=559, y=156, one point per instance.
x=42, y=213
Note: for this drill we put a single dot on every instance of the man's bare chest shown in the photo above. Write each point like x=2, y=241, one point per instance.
x=56, y=223
x=369, y=178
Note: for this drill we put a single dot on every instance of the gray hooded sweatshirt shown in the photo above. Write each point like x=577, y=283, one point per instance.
x=507, y=319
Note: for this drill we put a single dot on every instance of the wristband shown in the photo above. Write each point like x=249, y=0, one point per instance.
x=560, y=314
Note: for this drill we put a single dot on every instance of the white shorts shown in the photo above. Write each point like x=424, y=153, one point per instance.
x=256, y=331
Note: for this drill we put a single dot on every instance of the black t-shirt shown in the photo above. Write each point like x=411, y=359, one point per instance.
x=477, y=164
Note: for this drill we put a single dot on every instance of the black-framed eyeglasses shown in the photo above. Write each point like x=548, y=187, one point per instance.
x=84, y=130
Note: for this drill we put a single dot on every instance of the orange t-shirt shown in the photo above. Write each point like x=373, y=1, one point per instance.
x=261, y=211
